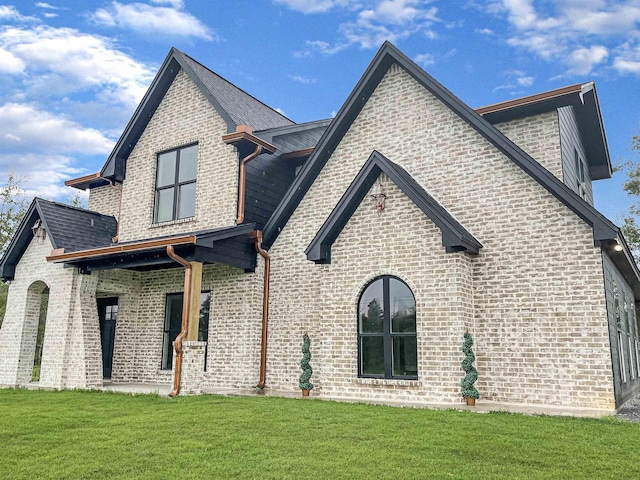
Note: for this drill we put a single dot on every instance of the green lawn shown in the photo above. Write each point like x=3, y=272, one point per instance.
x=101, y=435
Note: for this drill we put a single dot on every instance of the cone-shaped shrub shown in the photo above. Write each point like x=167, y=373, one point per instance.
x=468, y=390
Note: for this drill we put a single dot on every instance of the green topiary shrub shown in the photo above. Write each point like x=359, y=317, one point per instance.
x=304, y=363
x=468, y=390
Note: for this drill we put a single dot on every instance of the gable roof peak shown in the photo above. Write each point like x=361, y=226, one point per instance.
x=234, y=105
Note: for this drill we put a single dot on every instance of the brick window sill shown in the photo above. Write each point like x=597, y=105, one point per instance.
x=386, y=382
x=173, y=222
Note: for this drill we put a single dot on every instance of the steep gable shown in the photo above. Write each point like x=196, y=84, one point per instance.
x=454, y=236
x=235, y=106
x=68, y=228
x=603, y=229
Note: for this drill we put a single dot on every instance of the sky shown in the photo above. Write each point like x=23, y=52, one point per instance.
x=72, y=73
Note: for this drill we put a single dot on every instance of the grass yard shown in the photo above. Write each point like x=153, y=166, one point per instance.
x=88, y=435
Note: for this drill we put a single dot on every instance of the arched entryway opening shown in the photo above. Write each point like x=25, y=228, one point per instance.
x=35, y=323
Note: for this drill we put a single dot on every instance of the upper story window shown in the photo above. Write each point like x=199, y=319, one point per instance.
x=581, y=175
x=176, y=184
x=387, y=341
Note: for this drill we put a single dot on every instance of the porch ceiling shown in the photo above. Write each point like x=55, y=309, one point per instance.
x=228, y=246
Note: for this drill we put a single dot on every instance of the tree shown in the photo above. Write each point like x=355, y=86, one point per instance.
x=468, y=390
x=305, y=376
x=13, y=206
x=630, y=226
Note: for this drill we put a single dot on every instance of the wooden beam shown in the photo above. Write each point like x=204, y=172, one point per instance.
x=194, y=304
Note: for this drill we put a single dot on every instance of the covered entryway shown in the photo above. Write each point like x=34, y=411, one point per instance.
x=107, y=315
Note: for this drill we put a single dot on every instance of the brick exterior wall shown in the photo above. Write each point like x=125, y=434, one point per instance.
x=71, y=350
x=183, y=117
x=537, y=290
x=539, y=136
x=533, y=298
x=105, y=200
x=234, y=324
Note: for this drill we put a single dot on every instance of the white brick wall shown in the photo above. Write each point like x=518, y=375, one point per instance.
x=183, y=117
x=538, y=295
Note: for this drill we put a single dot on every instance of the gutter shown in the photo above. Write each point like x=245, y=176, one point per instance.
x=186, y=299
x=58, y=256
x=256, y=238
x=244, y=136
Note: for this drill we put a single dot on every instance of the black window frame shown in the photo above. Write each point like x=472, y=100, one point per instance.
x=581, y=175
x=387, y=334
x=176, y=185
x=169, y=334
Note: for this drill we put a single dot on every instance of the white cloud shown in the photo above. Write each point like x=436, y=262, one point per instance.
x=75, y=61
x=25, y=128
x=312, y=6
x=484, y=31
x=46, y=5
x=152, y=20
x=50, y=15
x=525, y=81
x=302, y=79
x=424, y=59
x=627, y=58
x=9, y=63
x=583, y=60
x=43, y=174
x=375, y=21
x=178, y=4
x=10, y=13
x=577, y=34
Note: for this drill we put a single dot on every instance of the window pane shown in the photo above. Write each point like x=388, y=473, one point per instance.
x=203, y=324
x=402, y=308
x=405, y=356
x=188, y=164
x=166, y=169
x=164, y=205
x=187, y=201
x=371, y=309
x=372, y=351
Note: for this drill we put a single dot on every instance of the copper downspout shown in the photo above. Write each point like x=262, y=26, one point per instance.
x=117, y=187
x=243, y=182
x=185, y=318
x=257, y=238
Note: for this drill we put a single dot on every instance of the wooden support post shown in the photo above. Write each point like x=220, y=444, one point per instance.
x=194, y=304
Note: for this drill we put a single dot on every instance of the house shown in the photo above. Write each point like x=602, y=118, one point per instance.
x=384, y=233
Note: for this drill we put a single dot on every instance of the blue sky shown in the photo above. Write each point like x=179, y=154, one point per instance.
x=71, y=73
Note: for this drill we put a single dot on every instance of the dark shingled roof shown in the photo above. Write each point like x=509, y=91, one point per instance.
x=67, y=227
x=455, y=238
x=241, y=107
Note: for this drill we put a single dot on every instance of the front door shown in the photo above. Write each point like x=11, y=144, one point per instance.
x=107, y=313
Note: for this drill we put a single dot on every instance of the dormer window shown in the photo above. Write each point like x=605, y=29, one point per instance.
x=176, y=184
x=581, y=176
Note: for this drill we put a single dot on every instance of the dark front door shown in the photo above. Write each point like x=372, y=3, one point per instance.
x=107, y=313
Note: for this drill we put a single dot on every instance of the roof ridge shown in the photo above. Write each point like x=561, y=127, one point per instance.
x=73, y=207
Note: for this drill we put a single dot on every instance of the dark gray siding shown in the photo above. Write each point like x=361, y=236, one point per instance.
x=570, y=141
x=268, y=179
x=622, y=324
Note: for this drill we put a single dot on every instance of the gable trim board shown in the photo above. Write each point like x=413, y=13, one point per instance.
x=603, y=230
x=114, y=168
x=455, y=237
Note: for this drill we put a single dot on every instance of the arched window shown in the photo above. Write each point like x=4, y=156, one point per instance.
x=387, y=344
